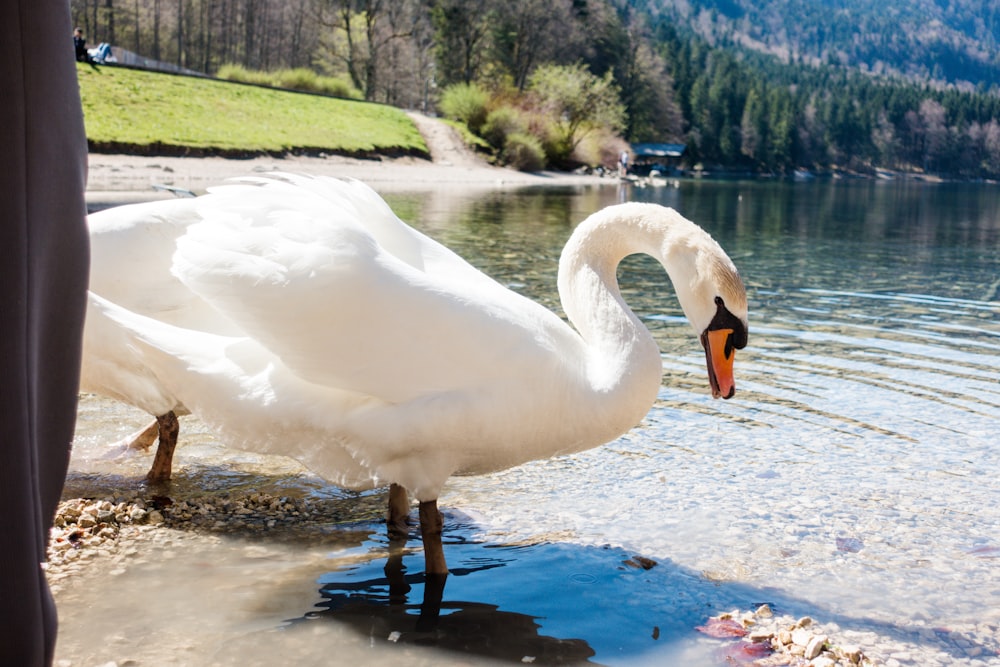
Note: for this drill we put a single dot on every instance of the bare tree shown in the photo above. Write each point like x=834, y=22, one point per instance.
x=156, y=29
x=137, y=44
x=359, y=32
x=109, y=12
x=530, y=32
x=461, y=30
x=932, y=118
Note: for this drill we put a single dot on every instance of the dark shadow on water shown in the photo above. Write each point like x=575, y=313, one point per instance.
x=497, y=601
x=546, y=603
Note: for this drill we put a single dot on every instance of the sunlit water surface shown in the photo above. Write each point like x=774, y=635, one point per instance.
x=852, y=478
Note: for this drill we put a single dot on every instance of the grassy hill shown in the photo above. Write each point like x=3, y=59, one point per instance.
x=134, y=111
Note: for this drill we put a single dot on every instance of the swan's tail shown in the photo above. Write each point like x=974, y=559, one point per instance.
x=234, y=385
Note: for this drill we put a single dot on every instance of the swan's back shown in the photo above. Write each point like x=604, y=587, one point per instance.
x=324, y=275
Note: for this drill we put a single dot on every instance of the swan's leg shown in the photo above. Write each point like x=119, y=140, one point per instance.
x=431, y=526
x=430, y=607
x=398, y=518
x=164, y=458
x=395, y=572
x=144, y=438
x=397, y=522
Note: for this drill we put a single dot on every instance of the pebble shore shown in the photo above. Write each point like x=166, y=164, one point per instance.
x=111, y=527
x=762, y=638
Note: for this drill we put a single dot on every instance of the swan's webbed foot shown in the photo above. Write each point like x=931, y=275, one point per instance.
x=141, y=440
x=144, y=439
x=167, y=428
x=431, y=527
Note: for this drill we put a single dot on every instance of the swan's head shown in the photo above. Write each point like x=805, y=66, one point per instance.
x=705, y=280
x=718, y=311
x=725, y=334
x=714, y=300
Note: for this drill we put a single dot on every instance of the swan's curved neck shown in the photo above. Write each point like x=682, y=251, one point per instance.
x=622, y=355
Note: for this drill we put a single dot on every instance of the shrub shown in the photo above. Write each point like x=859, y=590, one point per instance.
x=501, y=123
x=523, y=152
x=467, y=103
x=602, y=147
x=552, y=140
x=238, y=73
x=577, y=102
x=300, y=78
x=309, y=81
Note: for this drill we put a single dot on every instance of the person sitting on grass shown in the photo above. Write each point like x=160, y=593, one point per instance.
x=80, y=46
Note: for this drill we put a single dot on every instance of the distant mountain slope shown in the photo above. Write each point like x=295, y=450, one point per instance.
x=951, y=41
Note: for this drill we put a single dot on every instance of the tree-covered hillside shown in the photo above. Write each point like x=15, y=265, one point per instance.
x=955, y=42
x=756, y=112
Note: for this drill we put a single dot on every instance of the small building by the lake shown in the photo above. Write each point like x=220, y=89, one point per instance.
x=664, y=158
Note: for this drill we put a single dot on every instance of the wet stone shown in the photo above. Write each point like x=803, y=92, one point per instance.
x=83, y=526
x=815, y=646
x=801, y=637
x=792, y=644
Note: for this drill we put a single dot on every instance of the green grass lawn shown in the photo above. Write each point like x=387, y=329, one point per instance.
x=146, y=112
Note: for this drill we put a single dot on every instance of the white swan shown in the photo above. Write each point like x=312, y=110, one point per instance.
x=300, y=316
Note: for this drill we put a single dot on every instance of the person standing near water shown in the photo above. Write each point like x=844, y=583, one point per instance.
x=44, y=256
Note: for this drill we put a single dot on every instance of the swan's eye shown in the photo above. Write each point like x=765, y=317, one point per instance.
x=726, y=320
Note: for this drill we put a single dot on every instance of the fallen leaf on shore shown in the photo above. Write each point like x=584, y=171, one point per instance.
x=720, y=628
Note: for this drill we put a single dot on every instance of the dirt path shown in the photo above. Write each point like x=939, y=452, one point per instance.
x=444, y=142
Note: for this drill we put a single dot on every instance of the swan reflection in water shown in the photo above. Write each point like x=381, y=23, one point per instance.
x=390, y=608
x=545, y=602
x=393, y=600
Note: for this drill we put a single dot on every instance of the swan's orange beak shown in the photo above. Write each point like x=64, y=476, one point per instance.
x=720, y=354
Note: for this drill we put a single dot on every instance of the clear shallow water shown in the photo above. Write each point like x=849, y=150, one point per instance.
x=852, y=478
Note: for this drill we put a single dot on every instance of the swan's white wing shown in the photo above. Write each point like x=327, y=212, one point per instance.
x=131, y=250
x=341, y=199
x=316, y=288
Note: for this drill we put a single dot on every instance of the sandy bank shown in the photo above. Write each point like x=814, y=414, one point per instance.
x=125, y=178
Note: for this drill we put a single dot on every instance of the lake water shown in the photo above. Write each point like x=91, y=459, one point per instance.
x=852, y=478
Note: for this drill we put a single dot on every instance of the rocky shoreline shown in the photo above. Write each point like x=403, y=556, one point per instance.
x=88, y=528
x=762, y=638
